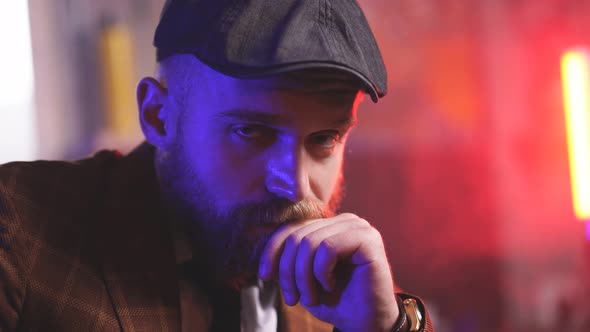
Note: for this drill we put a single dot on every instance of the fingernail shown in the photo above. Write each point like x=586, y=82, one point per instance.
x=289, y=299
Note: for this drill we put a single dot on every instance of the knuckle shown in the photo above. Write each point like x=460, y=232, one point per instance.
x=349, y=215
x=375, y=239
x=308, y=242
x=293, y=240
x=327, y=246
x=373, y=234
x=364, y=222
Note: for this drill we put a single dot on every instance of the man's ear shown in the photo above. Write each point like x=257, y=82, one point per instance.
x=155, y=116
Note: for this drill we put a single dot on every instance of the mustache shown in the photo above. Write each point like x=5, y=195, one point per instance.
x=278, y=211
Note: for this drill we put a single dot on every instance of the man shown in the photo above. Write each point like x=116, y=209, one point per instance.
x=224, y=219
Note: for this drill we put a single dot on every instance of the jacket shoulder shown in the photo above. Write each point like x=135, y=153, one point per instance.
x=44, y=211
x=27, y=176
x=33, y=192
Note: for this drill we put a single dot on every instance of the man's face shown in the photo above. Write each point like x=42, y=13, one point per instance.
x=250, y=155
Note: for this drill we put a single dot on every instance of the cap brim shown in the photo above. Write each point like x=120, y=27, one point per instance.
x=244, y=72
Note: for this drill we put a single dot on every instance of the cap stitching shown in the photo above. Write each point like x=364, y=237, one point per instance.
x=336, y=51
x=323, y=18
x=230, y=15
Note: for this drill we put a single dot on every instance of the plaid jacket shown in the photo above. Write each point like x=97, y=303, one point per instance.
x=83, y=248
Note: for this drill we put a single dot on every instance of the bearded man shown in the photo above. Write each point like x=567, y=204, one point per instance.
x=225, y=218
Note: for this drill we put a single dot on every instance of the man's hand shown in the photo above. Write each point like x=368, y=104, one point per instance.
x=337, y=269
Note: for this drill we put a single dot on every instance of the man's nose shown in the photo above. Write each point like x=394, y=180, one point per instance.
x=287, y=174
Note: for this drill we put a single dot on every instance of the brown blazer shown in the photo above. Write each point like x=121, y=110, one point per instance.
x=83, y=248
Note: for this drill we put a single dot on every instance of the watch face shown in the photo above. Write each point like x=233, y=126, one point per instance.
x=414, y=314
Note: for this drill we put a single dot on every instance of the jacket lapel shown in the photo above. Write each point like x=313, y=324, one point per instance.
x=135, y=247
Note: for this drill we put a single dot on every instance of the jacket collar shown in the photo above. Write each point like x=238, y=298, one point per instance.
x=135, y=248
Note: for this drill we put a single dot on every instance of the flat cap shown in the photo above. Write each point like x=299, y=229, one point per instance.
x=257, y=38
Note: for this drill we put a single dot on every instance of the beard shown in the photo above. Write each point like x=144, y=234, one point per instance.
x=228, y=243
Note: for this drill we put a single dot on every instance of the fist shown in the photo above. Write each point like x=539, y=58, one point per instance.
x=337, y=269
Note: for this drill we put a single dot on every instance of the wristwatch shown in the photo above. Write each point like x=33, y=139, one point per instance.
x=413, y=314
x=410, y=317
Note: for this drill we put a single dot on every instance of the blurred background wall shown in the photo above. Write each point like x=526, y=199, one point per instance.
x=463, y=167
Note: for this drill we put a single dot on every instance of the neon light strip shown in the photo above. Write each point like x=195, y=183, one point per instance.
x=576, y=90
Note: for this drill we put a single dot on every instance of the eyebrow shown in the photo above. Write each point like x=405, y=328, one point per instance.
x=276, y=119
x=254, y=116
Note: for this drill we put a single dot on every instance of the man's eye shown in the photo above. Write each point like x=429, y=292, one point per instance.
x=326, y=140
x=248, y=132
x=252, y=131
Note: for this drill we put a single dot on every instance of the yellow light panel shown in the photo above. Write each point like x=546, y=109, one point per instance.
x=576, y=91
x=119, y=78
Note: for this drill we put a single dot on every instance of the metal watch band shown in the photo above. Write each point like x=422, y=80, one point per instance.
x=413, y=313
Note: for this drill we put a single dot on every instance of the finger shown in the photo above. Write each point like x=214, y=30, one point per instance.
x=269, y=260
x=273, y=250
x=287, y=259
x=308, y=285
x=361, y=247
x=287, y=272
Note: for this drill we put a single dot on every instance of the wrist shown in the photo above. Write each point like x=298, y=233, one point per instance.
x=393, y=319
x=401, y=324
x=397, y=321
